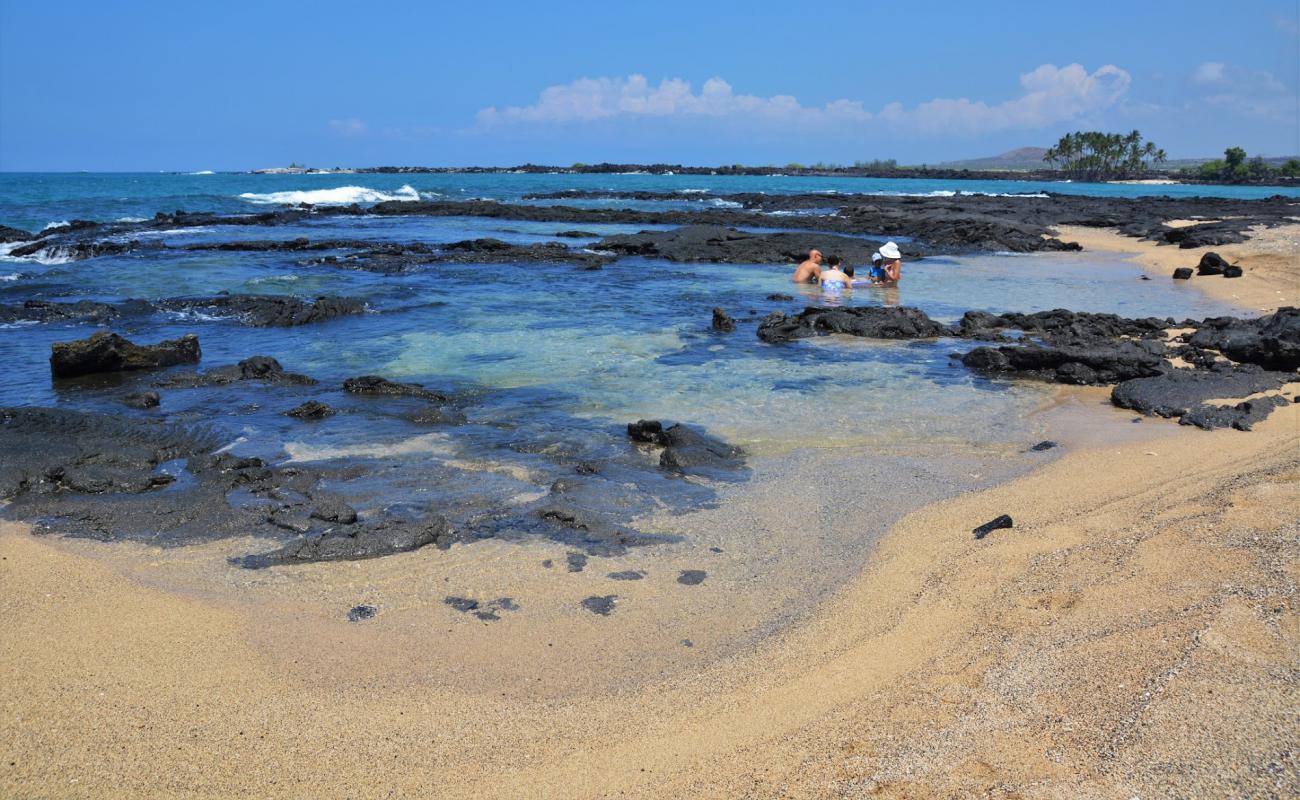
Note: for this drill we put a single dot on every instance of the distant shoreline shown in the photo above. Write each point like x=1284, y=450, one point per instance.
x=929, y=173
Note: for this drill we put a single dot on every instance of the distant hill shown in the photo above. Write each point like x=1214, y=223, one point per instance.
x=1021, y=158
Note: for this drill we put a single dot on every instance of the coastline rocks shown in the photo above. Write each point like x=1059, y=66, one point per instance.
x=1183, y=392
x=1271, y=341
x=1060, y=325
x=495, y=251
x=109, y=352
x=1092, y=363
x=8, y=234
x=876, y=322
x=382, y=539
x=255, y=368
x=1183, y=273
x=89, y=311
x=382, y=387
x=718, y=244
x=686, y=449
x=267, y=311
x=722, y=321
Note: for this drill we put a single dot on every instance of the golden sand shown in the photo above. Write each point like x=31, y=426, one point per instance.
x=1134, y=635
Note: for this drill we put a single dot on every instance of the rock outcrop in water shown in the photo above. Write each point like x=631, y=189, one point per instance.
x=382, y=387
x=1085, y=363
x=109, y=352
x=268, y=311
x=717, y=244
x=875, y=322
x=686, y=449
x=352, y=544
x=263, y=369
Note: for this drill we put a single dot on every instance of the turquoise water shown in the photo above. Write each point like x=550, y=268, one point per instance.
x=552, y=361
x=31, y=200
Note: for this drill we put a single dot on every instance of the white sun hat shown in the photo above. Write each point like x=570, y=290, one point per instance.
x=890, y=251
x=876, y=257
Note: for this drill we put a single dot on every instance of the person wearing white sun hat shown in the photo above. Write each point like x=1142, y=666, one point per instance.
x=891, y=263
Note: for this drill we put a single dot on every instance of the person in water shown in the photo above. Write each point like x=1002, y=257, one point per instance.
x=809, y=271
x=891, y=263
x=834, y=277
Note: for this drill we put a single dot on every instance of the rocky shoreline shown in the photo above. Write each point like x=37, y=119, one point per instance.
x=1161, y=367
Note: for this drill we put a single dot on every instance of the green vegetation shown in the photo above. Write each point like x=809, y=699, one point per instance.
x=881, y=164
x=1096, y=156
x=578, y=165
x=1234, y=168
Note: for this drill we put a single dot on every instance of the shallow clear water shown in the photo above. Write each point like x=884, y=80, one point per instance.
x=554, y=361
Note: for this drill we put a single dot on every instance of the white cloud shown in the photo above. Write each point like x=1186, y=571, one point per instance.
x=1050, y=94
x=1234, y=89
x=348, y=127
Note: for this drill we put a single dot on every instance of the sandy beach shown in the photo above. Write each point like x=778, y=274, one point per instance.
x=1134, y=635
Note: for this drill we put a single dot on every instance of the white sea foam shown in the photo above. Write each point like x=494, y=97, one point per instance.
x=131, y=219
x=203, y=172
x=48, y=255
x=692, y=191
x=11, y=277
x=274, y=279
x=720, y=203
x=63, y=223
x=434, y=443
x=342, y=196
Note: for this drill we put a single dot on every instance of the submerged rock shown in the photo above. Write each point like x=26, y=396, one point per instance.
x=262, y=311
x=312, y=410
x=375, y=385
x=255, y=368
x=353, y=544
x=147, y=399
x=686, y=449
x=722, y=321
x=109, y=352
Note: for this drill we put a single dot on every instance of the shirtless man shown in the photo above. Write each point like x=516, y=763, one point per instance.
x=809, y=271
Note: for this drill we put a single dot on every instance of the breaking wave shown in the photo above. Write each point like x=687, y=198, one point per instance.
x=342, y=196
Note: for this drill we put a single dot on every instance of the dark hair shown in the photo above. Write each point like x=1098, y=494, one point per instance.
x=848, y=270
x=834, y=261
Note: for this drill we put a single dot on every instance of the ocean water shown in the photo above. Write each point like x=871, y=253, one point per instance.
x=32, y=200
x=552, y=362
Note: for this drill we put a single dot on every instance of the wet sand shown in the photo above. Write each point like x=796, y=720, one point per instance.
x=1135, y=631
x=1270, y=260
x=1135, y=634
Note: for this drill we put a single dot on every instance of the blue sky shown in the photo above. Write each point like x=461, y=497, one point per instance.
x=236, y=85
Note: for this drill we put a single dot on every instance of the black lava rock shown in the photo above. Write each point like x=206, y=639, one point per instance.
x=108, y=352
x=997, y=523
